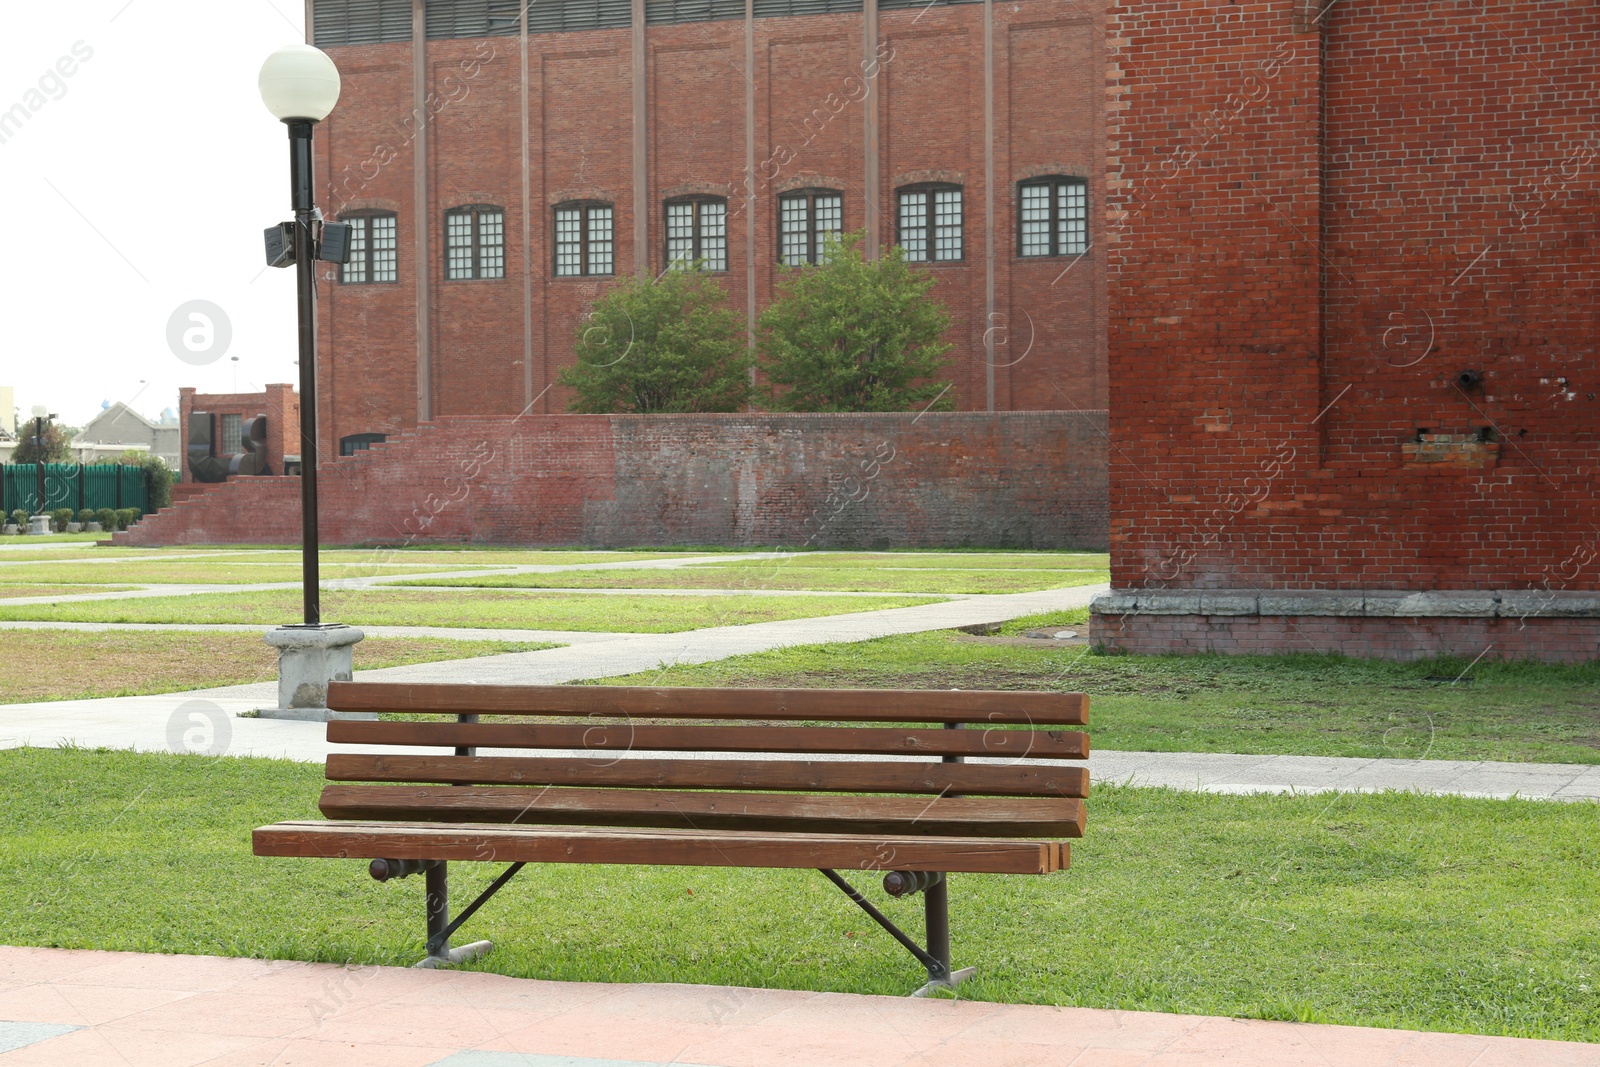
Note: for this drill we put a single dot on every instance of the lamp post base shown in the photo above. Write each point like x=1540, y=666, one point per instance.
x=309, y=657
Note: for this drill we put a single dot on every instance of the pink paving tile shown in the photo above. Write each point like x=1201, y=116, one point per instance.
x=1134, y=1031
x=997, y=1054
x=39, y=1004
x=449, y=1022
x=193, y=973
x=897, y=1019
x=1507, y=1052
x=1290, y=1044
x=124, y=1049
x=1111, y=1057
x=224, y=1013
x=301, y=1053
x=572, y=1034
x=41, y=964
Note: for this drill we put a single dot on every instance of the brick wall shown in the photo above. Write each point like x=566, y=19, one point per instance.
x=1022, y=479
x=1316, y=226
x=492, y=355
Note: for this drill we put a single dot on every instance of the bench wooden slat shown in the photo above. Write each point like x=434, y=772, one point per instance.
x=819, y=776
x=602, y=738
x=916, y=816
x=651, y=847
x=806, y=705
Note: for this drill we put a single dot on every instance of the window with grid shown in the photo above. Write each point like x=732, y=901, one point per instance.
x=697, y=232
x=232, y=442
x=475, y=242
x=1053, y=217
x=374, y=249
x=928, y=223
x=584, y=240
x=805, y=218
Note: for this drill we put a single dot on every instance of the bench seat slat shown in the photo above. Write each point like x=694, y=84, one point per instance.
x=912, y=816
x=602, y=738
x=654, y=847
x=818, y=776
x=804, y=705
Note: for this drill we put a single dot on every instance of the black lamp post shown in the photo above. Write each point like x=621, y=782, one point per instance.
x=40, y=416
x=300, y=85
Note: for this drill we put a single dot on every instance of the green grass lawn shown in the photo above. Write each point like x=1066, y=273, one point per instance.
x=1377, y=910
x=78, y=665
x=7, y=591
x=1300, y=705
x=507, y=609
x=787, y=574
x=200, y=572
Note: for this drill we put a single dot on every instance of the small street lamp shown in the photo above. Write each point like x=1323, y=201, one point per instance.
x=299, y=84
x=41, y=415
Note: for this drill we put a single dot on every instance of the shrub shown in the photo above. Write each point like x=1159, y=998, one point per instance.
x=666, y=344
x=106, y=518
x=853, y=334
x=86, y=515
x=20, y=517
x=59, y=519
x=126, y=517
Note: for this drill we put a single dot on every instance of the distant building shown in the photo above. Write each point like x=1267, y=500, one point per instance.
x=223, y=417
x=8, y=411
x=119, y=428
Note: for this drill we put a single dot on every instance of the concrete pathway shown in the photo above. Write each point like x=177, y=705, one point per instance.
x=209, y=720
x=67, y=1009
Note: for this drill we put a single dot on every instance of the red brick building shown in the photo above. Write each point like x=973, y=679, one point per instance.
x=474, y=138
x=1353, y=265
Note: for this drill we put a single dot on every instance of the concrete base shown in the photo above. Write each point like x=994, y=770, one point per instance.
x=309, y=657
x=38, y=524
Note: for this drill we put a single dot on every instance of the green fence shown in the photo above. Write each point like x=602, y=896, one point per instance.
x=72, y=485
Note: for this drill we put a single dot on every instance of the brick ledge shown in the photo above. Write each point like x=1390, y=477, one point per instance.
x=1376, y=603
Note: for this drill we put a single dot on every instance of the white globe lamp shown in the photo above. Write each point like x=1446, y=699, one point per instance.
x=299, y=82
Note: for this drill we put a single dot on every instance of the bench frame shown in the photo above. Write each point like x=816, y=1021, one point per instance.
x=934, y=955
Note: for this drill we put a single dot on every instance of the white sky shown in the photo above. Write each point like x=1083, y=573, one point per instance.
x=144, y=185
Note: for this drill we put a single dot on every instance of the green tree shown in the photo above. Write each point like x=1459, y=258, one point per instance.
x=665, y=344
x=853, y=334
x=57, y=447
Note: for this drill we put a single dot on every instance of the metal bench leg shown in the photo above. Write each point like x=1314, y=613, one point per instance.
x=936, y=912
x=437, y=903
x=936, y=957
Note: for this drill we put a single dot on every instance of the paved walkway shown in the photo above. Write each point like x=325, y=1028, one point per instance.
x=76, y=1008
x=208, y=720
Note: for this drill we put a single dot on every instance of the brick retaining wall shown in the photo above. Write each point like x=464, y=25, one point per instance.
x=1013, y=479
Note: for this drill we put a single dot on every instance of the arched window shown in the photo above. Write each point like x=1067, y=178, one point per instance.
x=475, y=242
x=929, y=223
x=584, y=239
x=697, y=232
x=374, y=248
x=1053, y=216
x=805, y=217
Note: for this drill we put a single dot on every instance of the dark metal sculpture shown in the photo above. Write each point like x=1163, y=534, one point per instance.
x=253, y=460
x=204, y=463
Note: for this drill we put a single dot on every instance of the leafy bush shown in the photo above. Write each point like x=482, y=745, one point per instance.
x=853, y=334
x=126, y=517
x=107, y=519
x=666, y=344
x=20, y=517
x=57, y=447
x=86, y=515
x=59, y=519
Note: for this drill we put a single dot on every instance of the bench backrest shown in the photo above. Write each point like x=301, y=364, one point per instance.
x=1023, y=731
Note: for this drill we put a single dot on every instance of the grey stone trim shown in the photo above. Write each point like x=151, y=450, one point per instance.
x=1371, y=603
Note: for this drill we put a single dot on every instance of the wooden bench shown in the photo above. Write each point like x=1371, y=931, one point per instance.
x=631, y=782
